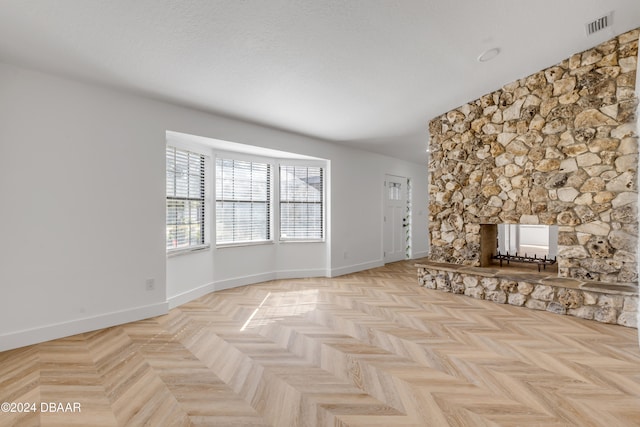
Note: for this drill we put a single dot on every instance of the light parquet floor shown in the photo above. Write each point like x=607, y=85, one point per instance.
x=367, y=349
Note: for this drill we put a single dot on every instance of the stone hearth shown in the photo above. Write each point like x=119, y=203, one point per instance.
x=605, y=302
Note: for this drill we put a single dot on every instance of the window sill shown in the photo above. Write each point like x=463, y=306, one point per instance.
x=236, y=245
x=183, y=251
x=301, y=241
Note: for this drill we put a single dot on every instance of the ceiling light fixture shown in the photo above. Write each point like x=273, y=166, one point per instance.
x=488, y=55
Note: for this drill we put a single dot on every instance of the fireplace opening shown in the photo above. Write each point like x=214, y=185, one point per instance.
x=516, y=245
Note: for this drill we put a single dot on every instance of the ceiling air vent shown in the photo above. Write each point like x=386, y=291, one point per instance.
x=599, y=24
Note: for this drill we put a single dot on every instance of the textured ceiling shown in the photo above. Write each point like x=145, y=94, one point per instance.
x=367, y=73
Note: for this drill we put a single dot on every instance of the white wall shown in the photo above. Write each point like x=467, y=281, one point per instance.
x=358, y=208
x=83, y=226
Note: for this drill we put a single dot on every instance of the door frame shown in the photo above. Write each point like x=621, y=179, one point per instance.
x=406, y=181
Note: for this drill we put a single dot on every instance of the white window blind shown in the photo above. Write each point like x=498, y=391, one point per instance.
x=301, y=203
x=185, y=199
x=243, y=201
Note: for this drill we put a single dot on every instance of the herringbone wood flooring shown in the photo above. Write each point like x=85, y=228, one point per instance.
x=367, y=349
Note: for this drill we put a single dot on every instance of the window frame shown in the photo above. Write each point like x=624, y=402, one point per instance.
x=303, y=164
x=205, y=158
x=270, y=162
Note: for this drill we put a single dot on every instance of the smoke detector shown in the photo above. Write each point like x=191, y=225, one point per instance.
x=599, y=24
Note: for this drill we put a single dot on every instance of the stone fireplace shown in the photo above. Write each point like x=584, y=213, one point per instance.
x=558, y=147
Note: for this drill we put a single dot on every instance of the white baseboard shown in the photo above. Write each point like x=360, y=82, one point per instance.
x=190, y=295
x=356, y=267
x=78, y=326
x=65, y=329
x=300, y=274
x=235, y=282
x=265, y=277
x=244, y=280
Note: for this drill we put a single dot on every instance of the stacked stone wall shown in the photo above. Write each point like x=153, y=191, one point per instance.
x=557, y=147
x=603, y=307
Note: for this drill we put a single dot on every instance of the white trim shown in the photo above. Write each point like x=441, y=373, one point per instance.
x=247, y=243
x=355, y=268
x=403, y=181
x=235, y=282
x=77, y=326
x=234, y=147
x=183, y=144
x=265, y=277
x=316, y=163
x=244, y=280
x=64, y=329
x=183, y=251
x=300, y=274
x=287, y=241
x=207, y=205
x=245, y=157
x=323, y=202
x=190, y=295
x=270, y=202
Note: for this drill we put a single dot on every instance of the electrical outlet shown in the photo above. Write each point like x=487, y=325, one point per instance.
x=150, y=284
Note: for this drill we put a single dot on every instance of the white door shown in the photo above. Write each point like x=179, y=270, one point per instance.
x=395, y=220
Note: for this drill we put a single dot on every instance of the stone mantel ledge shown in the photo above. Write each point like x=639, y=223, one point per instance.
x=615, y=303
x=542, y=278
